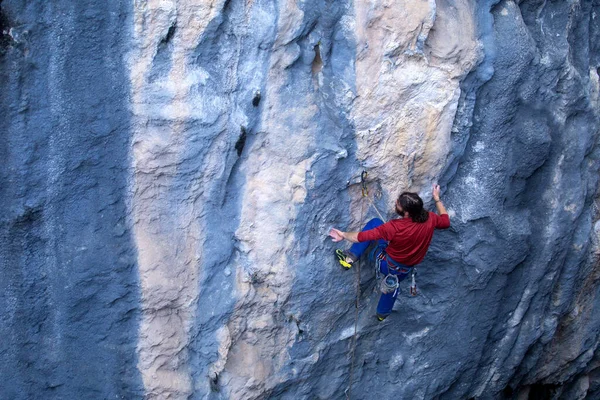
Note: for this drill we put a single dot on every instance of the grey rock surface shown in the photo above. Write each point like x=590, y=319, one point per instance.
x=68, y=280
x=172, y=168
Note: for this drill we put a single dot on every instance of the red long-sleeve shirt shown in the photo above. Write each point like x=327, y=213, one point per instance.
x=408, y=240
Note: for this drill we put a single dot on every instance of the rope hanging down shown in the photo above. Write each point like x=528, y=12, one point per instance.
x=365, y=193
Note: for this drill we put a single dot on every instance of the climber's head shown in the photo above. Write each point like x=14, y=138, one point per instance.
x=412, y=204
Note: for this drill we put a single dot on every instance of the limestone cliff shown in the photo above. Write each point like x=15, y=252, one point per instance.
x=172, y=168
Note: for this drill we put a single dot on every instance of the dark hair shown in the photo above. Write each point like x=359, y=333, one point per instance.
x=412, y=203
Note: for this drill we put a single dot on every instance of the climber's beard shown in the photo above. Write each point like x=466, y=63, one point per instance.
x=399, y=210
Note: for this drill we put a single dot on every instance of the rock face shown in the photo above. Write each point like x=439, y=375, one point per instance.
x=172, y=168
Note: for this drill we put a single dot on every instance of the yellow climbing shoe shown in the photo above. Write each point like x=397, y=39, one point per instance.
x=341, y=256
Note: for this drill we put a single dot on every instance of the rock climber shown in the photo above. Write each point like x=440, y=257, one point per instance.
x=400, y=244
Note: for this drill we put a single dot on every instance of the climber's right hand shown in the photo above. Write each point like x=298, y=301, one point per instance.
x=336, y=235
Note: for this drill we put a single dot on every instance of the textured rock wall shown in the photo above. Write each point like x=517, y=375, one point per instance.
x=70, y=293
x=172, y=169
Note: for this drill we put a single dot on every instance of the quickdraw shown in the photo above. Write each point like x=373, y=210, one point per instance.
x=365, y=191
x=413, y=285
x=363, y=183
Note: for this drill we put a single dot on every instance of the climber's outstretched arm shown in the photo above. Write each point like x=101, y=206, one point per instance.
x=338, y=235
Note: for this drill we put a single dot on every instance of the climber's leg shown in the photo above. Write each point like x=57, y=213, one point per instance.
x=357, y=249
x=387, y=300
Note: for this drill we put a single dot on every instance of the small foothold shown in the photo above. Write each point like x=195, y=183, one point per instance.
x=256, y=99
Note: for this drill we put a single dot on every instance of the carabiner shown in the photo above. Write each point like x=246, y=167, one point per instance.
x=363, y=182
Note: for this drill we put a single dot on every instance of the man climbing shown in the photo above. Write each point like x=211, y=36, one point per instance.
x=400, y=243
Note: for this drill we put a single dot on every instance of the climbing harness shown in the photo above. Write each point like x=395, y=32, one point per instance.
x=392, y=266
x=395, y=265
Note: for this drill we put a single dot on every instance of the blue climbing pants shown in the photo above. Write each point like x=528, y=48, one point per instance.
x=387, y=300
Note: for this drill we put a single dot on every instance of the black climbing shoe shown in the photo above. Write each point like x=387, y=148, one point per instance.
x=380, y=317
x=341, y=256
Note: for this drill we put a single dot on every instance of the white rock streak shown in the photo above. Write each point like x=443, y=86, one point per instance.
x=275, y=188
x=166, y=227
x=404, y=67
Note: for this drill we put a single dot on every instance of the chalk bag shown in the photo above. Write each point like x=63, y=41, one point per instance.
x=389, y=284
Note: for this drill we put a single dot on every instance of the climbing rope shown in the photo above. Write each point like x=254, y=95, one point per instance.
x=375, y=207
x=365, y=193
